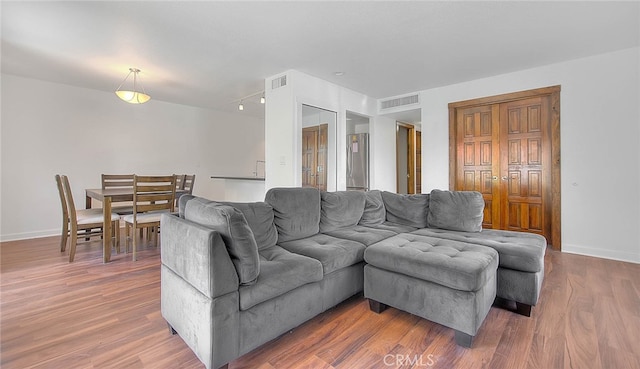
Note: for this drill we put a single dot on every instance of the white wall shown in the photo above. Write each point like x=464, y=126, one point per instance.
x=283, y=124
x=48, y=128
x=383, y=154
x=600, y=145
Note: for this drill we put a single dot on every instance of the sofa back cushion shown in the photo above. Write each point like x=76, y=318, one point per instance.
x=182, y=202
x=235, y=232
x=374, y=212
x=340, y=209
x=456, y=210
x=408, y=210
x=296, y=211
x=259, y=216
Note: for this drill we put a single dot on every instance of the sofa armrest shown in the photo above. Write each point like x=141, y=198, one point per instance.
x=198, y=255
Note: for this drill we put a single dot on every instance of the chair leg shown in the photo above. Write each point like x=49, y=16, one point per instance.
x=72, y=247
x=127, y=230
x=156, y=235
x=135, y=245
x=116, y=234
x=65, y=237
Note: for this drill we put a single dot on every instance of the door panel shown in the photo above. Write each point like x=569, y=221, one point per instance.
x=477, y=153
x=314, y=156
x=526, y=164
x=309, y=149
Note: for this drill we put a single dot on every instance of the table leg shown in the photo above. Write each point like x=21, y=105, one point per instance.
x=106, y=230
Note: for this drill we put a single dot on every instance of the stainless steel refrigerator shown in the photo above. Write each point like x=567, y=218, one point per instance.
x=358, y=162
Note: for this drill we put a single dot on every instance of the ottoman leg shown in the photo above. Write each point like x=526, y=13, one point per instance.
x=463, y=339
x=377, y=307
x=523, y=309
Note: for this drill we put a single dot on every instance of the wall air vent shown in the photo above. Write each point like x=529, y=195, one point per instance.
x=400, y=101
x=278, y=82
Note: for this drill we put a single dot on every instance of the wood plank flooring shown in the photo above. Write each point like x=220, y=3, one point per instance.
x=92, y=315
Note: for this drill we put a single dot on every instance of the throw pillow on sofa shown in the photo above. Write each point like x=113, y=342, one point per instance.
x=374, y=212
x=235, y=232
x=410, y=210
x=456, y=210
x=340, y=209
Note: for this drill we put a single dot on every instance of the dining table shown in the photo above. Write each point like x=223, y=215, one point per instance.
x=107, y=196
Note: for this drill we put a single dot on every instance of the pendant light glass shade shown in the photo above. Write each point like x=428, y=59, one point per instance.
x=133, y=96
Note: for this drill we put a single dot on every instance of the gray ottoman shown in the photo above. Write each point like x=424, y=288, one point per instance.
x=448, y=282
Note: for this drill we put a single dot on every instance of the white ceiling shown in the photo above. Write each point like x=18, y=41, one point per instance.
x=211, y=54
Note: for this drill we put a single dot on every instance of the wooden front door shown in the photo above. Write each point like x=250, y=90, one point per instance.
x=507, y=148
x=314, y=156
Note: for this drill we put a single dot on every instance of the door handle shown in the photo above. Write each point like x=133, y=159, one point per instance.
x=495, y=178
x=504, y=178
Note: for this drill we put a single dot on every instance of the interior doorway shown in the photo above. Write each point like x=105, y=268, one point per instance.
x=318, y=149
x=405, y=158
x=314, y=156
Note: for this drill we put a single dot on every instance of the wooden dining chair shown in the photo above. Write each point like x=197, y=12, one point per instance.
x=184, y=182
x=179, y=181
x=152, y=196
x=189, y=181
x=81, y=223
x=119, y=181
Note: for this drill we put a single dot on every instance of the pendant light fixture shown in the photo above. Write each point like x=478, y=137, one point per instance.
x=133, y=96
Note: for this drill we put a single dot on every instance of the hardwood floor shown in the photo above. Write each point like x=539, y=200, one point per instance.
x=93, y=315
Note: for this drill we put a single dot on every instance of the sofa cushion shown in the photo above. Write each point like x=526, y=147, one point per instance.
x=518, y=250
x=340, y=209
x=296, y=212
x=280, y=272
x=408, y=210
x=333, y=253
x=365, y=235
x=458, y=265
x=259, y=216
x=456, y=210
x=374, y=211
x=235, y=232
x=182, y=202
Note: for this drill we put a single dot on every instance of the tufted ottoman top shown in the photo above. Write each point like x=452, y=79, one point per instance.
x=453, y=264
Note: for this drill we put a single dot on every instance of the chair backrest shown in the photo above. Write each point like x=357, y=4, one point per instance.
x=71, y=206
x=63, y=198
x=189, y=181
x=153, y=193
x=179, y=181
x=117, y=181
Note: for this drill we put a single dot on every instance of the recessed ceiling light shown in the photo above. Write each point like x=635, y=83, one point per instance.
x=339, y=74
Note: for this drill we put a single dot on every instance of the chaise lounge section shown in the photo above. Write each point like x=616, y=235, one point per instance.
x=236, y=275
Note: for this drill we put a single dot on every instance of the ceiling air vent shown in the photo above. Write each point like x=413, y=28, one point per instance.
x=400, y=101
x=278, y=82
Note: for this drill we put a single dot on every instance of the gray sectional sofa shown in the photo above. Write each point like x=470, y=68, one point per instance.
x=236, y=275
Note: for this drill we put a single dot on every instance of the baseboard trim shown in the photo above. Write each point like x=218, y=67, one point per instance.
x=28, y=235
x=601, y=253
